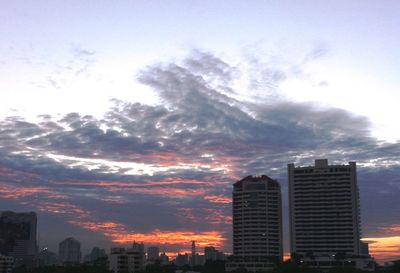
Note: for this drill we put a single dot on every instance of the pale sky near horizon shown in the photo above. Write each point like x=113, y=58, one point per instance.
x=42, y=40
x=278, y=80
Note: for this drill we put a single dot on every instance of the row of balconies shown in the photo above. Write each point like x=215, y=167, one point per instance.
x=264, y=235
x=331, y=216
x=326, y=248
x=326, y=239
x=322, y=196
x=320, y=221
x=322, y=182
x=324, y=228
x=245, y=217
x=321, y=213
x=315, y=189
x=321, y=209
x=321, y=175
x=332, y=226
x=317, y=234
x=298, y=205
x=242, y=224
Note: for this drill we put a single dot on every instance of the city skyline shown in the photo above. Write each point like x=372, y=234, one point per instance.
x=130, y=122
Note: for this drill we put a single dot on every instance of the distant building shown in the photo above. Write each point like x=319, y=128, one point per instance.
x=198, y=260
x=126, y=260
x=325, y=216
x=139, y=247
x=192, y=259
x=69, y=251
x=364, y=249
x=257, y=224
x=212, y=254
x=46, y=258
x=182, y=259
x=18, y=236
x=95, y=254
x=153, y=253
x=164, y=259
x=6, y=264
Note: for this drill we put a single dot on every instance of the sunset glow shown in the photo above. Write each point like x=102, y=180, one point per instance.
x=131, y=120
x=384, y=249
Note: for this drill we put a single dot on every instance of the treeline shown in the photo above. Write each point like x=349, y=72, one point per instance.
x=209, y=267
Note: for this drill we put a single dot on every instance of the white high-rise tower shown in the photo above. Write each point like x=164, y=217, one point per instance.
x=324, y=214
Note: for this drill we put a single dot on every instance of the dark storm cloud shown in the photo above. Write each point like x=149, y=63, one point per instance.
x=198, y=141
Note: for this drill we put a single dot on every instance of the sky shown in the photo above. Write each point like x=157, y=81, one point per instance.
x=131, y=120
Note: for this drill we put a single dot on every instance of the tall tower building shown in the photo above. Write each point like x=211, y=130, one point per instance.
x=257, y=224
x=69, y=251
x=18, y=236
x=324, y=214
x=193, y=256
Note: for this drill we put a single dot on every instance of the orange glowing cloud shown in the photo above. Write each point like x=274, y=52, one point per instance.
x=15, y=193
x=173, y=238
x=158, y=188
x=384, y=248
x=48, y=201
x=118, y=233
x=219, y=199
x=204, y=215
x=393, y=229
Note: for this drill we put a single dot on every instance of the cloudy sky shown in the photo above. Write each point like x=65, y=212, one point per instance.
x=130, y=120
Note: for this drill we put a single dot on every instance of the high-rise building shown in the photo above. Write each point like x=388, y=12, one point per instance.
x=257, y=224
x=69, y=251
x=193, y=256
x=324, y=214
x=18, y=236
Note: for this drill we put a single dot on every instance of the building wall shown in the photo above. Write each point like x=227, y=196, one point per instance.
x=69, y=251
x=126, y=260
x=153, y=253
x=6, y=264
x=324, y=209
x=18, y=236
x=257, y=224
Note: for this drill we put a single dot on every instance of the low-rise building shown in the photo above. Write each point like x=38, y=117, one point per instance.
x=212, y=254
x=126, y=260
x=46, y=257
x=164, y=259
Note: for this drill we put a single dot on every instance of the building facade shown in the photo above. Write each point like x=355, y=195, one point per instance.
x=95, y=255
x=324, y=214
x=6, y=264
x=69, y=251
x=257, y=224
x=212, y=254
x=18, y=236
x=164, y=259
x=153, y=253
x=46, y=258
x=123, y=260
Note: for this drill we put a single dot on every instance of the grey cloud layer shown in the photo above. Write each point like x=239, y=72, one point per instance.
x=198, y=116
